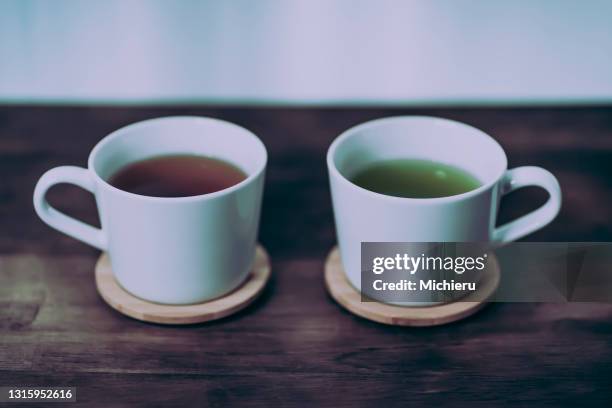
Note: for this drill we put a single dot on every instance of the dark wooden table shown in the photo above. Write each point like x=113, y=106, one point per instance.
x=295, y=346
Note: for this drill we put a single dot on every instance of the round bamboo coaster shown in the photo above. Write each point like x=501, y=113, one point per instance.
x=130, y=305
x=347, y=296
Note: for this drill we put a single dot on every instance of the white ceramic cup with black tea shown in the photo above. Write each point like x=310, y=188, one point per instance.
x=362, y=215
x=172, y=250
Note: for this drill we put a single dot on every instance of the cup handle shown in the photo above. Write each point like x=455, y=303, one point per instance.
x=60, y=221
x=523, y=177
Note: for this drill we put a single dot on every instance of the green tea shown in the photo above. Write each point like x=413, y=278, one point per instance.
x=413, y=178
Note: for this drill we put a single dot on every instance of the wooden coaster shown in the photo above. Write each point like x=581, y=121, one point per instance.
x=130, y=305
x=346, y=295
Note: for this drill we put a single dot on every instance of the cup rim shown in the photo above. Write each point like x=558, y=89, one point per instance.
x=333, y=170
x=120, y=133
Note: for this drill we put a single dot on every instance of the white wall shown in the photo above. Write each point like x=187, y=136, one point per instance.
x=309, y=51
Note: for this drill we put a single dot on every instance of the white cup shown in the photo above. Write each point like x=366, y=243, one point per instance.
x=169, y=250
x=365, y=216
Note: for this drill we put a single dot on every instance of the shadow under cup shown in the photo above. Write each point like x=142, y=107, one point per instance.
x=365, y=216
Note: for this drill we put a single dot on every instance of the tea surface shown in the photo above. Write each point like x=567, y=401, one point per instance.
x=177, y=176
x=411, y=178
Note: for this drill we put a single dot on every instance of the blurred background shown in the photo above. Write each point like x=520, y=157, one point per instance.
x=411, y=52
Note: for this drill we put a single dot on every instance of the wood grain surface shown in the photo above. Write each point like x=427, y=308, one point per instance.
x=295, y=346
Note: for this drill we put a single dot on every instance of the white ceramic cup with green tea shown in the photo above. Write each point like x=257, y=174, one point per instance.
x=456, y=149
